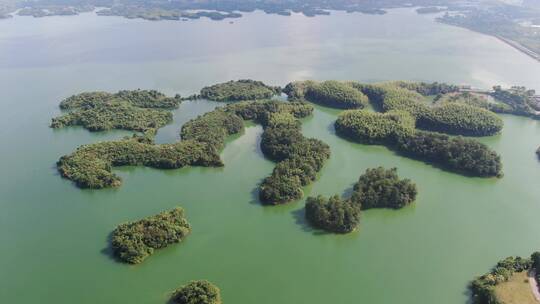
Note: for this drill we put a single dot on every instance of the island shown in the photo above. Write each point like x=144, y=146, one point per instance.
x=133, y=242
x=329, y=93
x=244, y=89
x=137, y=110
x=512, y=280
x=376, y=188
x=395, y=129
x=197, y=292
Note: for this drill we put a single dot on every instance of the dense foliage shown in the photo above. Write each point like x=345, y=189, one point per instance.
x=212, y=128
x=457, y=154
x=374, y=128
x=244, y=89
x=299, y=159
x=483, y=287
x=333, y=215
x=133, y=242
x=114, y=115
x=451, y=118
x=382, y=188
x=138, y=98
x=137, y=110
x=329, y=93
x=461, y=119
x=90, y=166
x=197, y=292
x=453, y=153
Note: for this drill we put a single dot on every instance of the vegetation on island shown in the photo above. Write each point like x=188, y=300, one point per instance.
x=329, y=93
x=90, y=166
x=333, y=215
x=376, y=188
x=484, y=288
x=427, y=89
x=476, y=100
x=245, y=89
x=382, y=188
x=298, y=158
x=521, y=100
x=197, y=292
x=138, y=110
x=394, y=130
x=452, y=118
x=133, y=242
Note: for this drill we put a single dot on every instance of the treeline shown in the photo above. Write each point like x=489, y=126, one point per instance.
x=376, y=188
x=451, y=118
x=329, y=93
x=244, y=89
x=138, y=110
x=394, y=129
x=197, y=292
x=133, y=242
x=483, y=287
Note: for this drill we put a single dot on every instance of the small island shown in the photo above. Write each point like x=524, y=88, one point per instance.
x=376, y=188
x=197, y=292
x=510, y=281
x=138, y=110
x=329, y=93
x=244, y=89
x=133, y=242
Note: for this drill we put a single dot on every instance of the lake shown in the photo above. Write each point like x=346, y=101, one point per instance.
x=54, y=236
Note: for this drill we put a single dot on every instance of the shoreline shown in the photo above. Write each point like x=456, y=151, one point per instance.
x=519, y=47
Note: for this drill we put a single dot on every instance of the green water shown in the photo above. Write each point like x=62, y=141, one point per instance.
x=53, y=236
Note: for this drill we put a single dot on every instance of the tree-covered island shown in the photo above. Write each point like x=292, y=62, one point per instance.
x=508, y=282
x=376, y=188
x=133, y=242
x=197, y=292
x=329, y=93
x=240, y=90
x=395, y=129
x=137, y=110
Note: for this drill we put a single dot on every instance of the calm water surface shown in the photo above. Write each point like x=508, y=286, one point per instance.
x=54, y=236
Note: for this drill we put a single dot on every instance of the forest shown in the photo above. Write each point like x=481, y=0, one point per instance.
x=133, y=242
x=244, y=89
x=329, y=93
x=451, y=118
x=458, y=154
x=197, y=292
x=137, y=110
x=376, y=188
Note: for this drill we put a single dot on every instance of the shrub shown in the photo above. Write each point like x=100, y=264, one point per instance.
x=133, y=242
x=381, y=188
x=333, y=215
x=212, y=128
x=137, y=98
x=244, y=89
x=197, y=292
